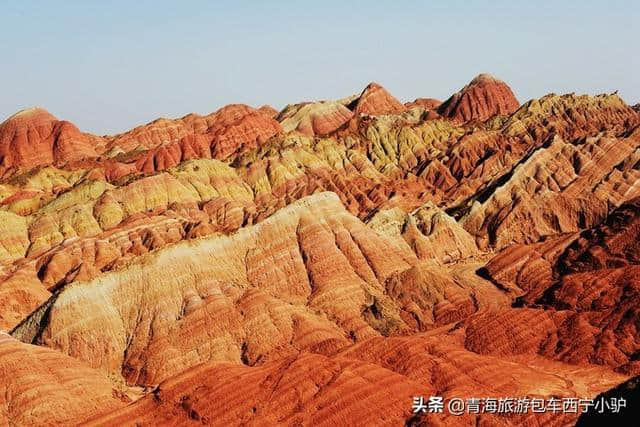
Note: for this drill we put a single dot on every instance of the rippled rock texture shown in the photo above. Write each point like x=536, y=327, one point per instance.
x=484, y=97
x=320, y=265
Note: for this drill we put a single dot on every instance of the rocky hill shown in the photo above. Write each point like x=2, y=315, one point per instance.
x=322, y=264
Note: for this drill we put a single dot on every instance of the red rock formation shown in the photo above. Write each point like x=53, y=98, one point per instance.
x=593, y=278
x=43, y=387
x=535, y=267
x=429, y=232
x=426, y=103
x=323, y=269
x=34, y=137
x=232, y=129
x=365, y=286
x=238, y=135
x=268, y=110
x=373, y=382
x=169, y=155
x=314, y=118
x=484, y=97
x=560, y=188
x=375, y=100
x=613, y=243
x=298, y=230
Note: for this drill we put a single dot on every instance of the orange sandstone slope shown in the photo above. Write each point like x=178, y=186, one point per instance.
x=484, y=97
x=373, y=385
x=314, y=118
x=34, y=137
x=426, y=103
x=375, y=100
x=343, y=307
x=43, y=387
x=320, y=265
x=594, y=275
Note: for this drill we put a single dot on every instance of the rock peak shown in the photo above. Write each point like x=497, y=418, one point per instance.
x=372, y=86
x=375, y=100
x=314, y=118
x=33, y=113
x=484, y=97
x=484, y=78
x=426, y=103
x=34, y=137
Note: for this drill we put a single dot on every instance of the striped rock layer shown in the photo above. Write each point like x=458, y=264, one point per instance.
x=321, y=265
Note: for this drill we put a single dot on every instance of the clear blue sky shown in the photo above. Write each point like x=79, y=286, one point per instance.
x=110, y=65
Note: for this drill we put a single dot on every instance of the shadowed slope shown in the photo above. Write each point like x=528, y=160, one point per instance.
x=595, y=276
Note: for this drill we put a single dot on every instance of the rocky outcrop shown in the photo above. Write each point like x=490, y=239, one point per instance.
x=268, y=110
x=348, y=387
x=34, y=137
x=428, y=231
x=314, y=118
x=232, y=129
x=561, y=187
x=388, y=164
x=593, y=278
x=304, y=267
x=426, y=103
x=484, y=97
x=328, y=280
x=613, y=243
x=43, y=387
x=375, y=100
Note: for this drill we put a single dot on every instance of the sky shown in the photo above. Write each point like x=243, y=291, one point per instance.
x=108, y=66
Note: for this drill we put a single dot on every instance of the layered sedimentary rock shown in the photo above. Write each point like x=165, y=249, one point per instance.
x=426, y=103
x=314, y=118
x=369, y=384
x=375, y=100
x=484, y=97
x=323, y=264
x=593, y=278
x=233, y=128
x=561, y=187
x=335, y=283
x=34, y=137
x=428, y=231
x=331, y=281
x=613, y=243
x=268, y=110
x=43, y=387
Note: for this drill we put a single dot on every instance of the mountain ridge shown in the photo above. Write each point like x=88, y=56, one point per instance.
x=308, y=265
